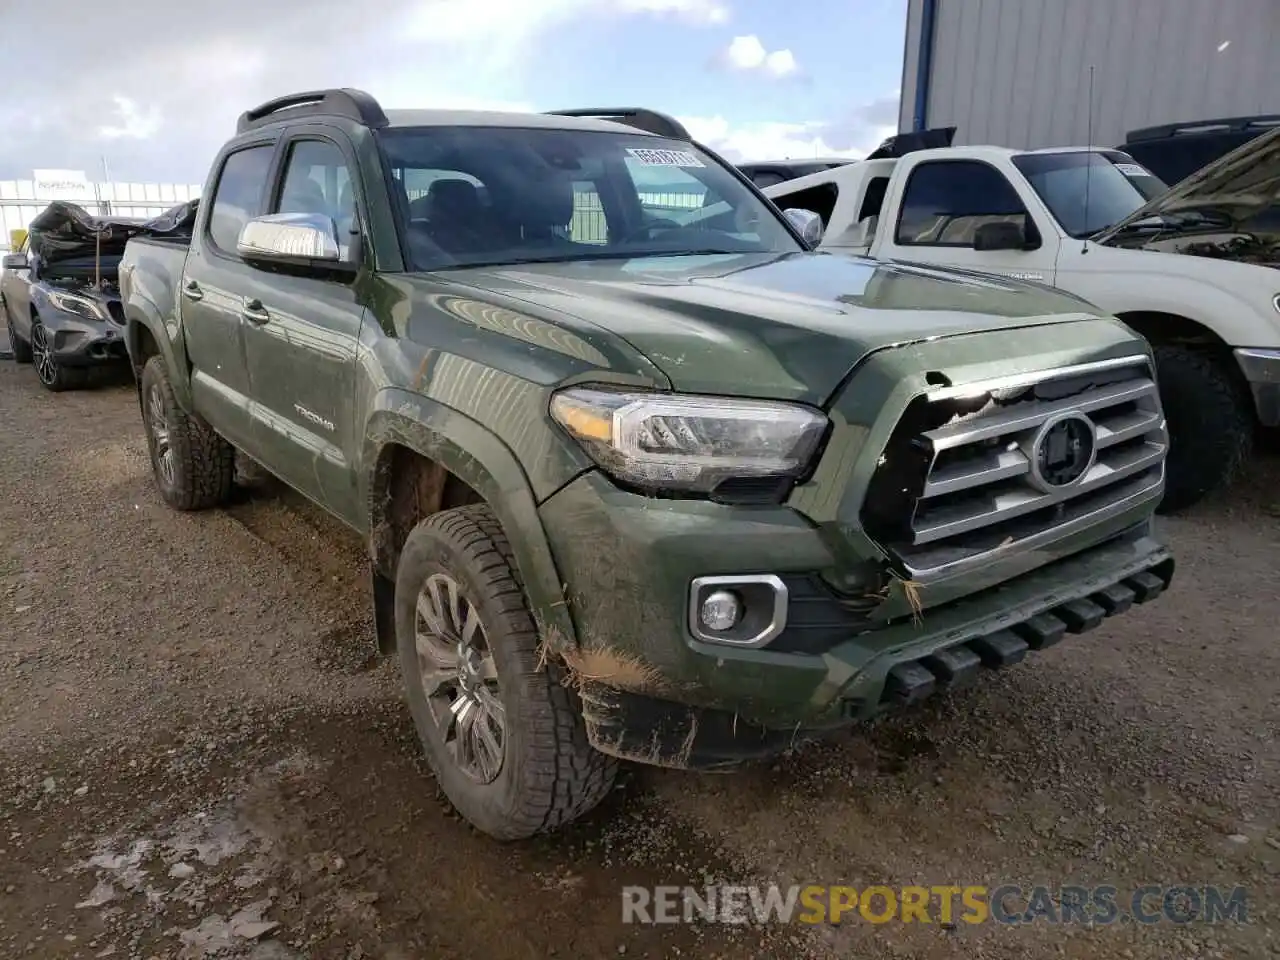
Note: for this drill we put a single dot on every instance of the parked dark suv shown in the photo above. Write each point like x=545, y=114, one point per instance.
x=1174, y=151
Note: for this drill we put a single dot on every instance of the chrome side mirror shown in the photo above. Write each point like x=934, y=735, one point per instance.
x=807, y=223
x=298, y=238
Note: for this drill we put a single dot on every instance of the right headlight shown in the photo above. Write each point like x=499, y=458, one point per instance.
x=74, y=303
x=689, y=444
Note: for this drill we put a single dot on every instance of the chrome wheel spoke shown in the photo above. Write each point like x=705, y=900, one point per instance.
x=434, y=656
x=488, y=671
x=486, y=747
x=435, y=682
x=46, y=366
x=430, y=614
x=158, y=425
x=459, y=677
x=470, y=624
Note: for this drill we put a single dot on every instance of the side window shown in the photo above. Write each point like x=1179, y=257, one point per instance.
x=237, y=196
x=873, y=199
x=947, y=200
x=317, y=180
x=589, y=223
x=820, y=199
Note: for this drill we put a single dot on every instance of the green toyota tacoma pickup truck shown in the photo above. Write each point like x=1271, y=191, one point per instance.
x=641, y=475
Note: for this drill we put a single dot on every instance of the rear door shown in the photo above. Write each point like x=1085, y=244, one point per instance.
x=212, y=293
x=937, y=211
x=301, y=333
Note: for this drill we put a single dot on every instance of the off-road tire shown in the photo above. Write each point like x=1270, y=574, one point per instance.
x=204, y=463
x=1210, y=420
x=20, y=349
x=51, y=374
x=550, y=775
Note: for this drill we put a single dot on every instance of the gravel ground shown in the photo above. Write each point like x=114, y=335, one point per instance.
x=198, y=757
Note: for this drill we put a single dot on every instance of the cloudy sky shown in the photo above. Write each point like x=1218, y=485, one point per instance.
x=154, y=86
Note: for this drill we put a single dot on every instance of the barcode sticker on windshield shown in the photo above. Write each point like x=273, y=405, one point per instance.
x=1132, y=170
x=665, y=158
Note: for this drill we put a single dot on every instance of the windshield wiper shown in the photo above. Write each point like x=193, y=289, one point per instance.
x=586, y=257
x=1146, y=223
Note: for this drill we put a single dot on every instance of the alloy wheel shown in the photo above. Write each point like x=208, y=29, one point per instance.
x=460, y=678
x=161, y=440
x=42, y=355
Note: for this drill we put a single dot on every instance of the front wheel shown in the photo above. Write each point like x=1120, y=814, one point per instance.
x=506, y=742
x=53, y=376
x=20, y=349
x=1211, y=424
x=193, y=466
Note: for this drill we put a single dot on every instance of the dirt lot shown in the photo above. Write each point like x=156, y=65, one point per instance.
x=198, y=757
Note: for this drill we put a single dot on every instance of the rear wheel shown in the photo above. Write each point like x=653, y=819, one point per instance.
x=1211, y=424
x=506, y=741
x=52, y=375
x=193, y=466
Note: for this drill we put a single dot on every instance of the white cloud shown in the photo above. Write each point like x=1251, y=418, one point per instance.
x=136, y=123
x=469, y=54
x=785, y=141
x=694, y=11
x=748, y=53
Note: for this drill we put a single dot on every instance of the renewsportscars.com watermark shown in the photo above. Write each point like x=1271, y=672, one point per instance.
x=946, y=905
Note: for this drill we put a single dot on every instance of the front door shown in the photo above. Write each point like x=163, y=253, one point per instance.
x=301, y=335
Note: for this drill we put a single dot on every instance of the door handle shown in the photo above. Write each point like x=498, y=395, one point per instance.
x=254, y=311
x=191, y=290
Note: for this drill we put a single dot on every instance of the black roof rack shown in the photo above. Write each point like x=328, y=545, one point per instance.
x=340, y=102
x=650, y=121
x=1192, y=127
x=899, y=145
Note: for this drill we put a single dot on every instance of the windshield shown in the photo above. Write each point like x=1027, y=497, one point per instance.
x=1087, y=192
x=501, y=195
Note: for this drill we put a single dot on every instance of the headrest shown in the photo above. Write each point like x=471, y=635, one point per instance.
x=452, y=197
x=304, y=196
x=547, y=202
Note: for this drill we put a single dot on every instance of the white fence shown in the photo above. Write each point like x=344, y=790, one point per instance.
x=22, y=200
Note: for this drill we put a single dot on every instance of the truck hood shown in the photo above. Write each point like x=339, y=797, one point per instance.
x=786, y=326
x=1240, y=187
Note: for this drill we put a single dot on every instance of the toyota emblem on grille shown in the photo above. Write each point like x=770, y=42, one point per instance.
x=1063, y=451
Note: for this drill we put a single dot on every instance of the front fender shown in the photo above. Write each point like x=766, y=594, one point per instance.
x=487, y=465
x=1232, y=308
x=150, y=303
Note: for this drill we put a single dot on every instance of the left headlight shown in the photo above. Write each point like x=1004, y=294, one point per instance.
x=690, y=444
x=80, y=306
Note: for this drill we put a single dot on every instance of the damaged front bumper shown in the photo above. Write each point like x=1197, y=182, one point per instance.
x=79, y=342
x=653, y=693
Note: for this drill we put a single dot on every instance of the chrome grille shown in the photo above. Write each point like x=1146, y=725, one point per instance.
x=1043, y=456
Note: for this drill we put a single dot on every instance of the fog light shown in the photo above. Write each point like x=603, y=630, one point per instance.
x=721, y=610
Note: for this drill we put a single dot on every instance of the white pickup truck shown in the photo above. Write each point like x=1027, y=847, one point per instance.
x=1193, y=269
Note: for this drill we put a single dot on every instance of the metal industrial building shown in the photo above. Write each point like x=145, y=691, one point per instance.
x=1015, y=73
